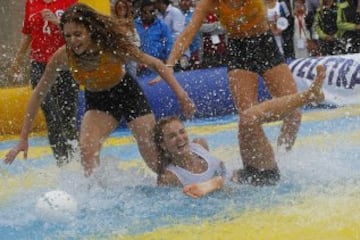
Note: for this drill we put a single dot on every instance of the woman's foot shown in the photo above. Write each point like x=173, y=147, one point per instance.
x=315, y=90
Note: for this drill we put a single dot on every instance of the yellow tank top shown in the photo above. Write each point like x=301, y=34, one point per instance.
x=106, y=74
x=247, y=16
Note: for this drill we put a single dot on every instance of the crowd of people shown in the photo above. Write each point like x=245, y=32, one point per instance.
x=301, y=28
x=105, y=53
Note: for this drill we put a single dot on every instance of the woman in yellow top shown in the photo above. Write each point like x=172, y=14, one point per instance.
x=251, y=50
x=96, y=49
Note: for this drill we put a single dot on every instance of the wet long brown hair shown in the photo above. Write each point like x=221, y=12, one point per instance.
x=110, y=34
x=164, y=158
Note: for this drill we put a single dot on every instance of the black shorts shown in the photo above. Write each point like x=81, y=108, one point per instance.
x=257, y=177
x=256, y=54
x=125, y=100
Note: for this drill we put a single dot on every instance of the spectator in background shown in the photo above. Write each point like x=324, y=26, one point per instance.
x=136, y=4
x=301, y=34
x=122, y=9
x=311, y=7
x=155, y=35
x=275, y=10
x=172, y=16
x=312, y=44
x=348, y=23
x=213, y=42
x=288, y=33
x=186, y=6
x=175, y=20
x=326, y=28
x=42, y=35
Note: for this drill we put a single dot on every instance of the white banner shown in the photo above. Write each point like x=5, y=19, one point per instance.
x=342, y=84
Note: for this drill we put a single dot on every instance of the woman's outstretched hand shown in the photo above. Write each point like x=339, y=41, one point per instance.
x=158, y=78
x=187, y=106
x=21, y=146
x=155, y=81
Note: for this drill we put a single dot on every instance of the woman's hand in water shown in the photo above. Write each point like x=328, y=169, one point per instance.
x=23, y=145
x=197, y=190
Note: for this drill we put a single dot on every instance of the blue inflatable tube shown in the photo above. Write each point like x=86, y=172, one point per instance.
x=208, y=88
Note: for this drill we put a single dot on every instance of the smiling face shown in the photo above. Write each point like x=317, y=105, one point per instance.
x=77, y=38
x=175, y=139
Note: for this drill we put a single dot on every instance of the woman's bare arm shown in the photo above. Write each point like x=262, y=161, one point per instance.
x=183, y=41
x=169, y=179
x=57, y=62
x=187, y=105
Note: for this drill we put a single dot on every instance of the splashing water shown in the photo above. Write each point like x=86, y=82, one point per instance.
x=317, y=196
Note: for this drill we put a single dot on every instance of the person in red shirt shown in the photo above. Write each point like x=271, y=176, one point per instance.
x=214, y=45
x=42, y=35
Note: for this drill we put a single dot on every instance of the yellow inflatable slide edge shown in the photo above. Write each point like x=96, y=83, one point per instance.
x=13, y=103
x=101, y=6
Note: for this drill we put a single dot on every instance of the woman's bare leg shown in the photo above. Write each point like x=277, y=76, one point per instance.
x=255, y=149
x=96, y=126
x=142, y=129
x=258, y=151
x=279, y=108
x=280, y=82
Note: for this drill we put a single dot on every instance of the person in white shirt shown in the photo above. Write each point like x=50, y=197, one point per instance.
x=275, y=10
x=190, y=165
x=175, y=19
x=301, y=33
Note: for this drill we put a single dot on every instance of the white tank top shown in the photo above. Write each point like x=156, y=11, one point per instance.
x=215, y=167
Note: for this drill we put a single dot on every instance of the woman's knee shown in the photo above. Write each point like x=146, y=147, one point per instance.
x=89, y=148
x=247, y=120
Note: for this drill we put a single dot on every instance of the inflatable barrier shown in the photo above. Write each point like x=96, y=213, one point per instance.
x=12, y=108
x=342, y=85
x=208, y=88
x=101, y=6
x=210, y=91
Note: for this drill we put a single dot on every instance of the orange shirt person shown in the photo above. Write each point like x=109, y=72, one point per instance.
x=251, y=50
x=96, y=48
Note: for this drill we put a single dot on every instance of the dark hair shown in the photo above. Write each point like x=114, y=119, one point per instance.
x=110, y=34
x=163, y=159
x=166, y=2
x=146, y=3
